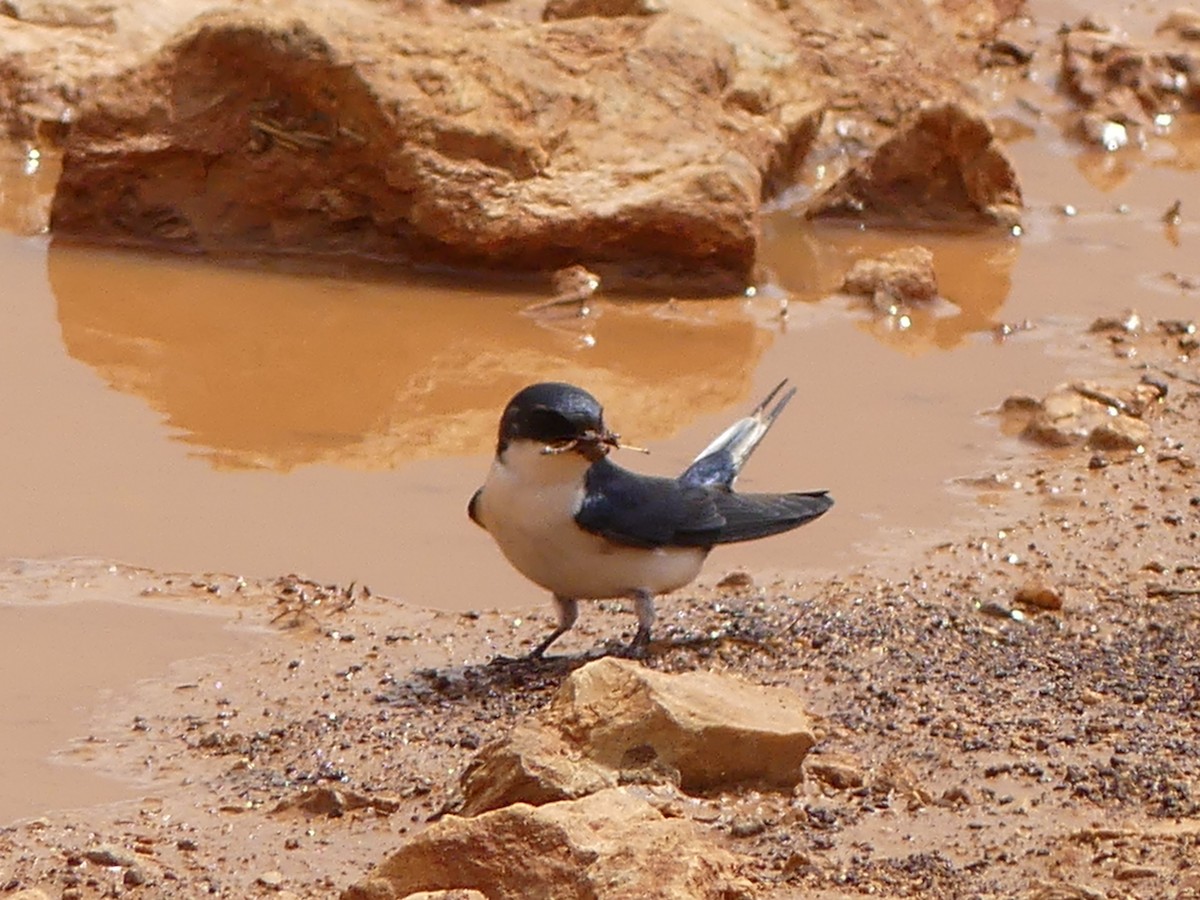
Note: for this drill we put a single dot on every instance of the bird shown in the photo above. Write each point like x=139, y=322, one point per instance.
x=575, y=523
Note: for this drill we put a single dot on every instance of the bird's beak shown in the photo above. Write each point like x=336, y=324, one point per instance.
x=593, y=445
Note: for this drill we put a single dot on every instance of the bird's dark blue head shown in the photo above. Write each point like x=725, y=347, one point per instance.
x=557, y=415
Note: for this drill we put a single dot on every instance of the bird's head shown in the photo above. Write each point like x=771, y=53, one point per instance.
x=560, y=417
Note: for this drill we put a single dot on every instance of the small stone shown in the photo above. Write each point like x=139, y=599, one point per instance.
x=134, y=876
x=106, y=855
x=900, y=277
x=1184, y=23
x=736, y=581
x=186, y=844
x=1039, y=595
x=747, y=826
x=1127, y=323
x=841, y=776
x=272, y=879
x=1132, y=873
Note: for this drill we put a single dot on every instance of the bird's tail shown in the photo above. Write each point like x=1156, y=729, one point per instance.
x=721, y=461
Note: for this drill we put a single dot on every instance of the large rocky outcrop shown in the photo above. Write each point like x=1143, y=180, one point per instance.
x=608, y=846
x=639, y=139
x=534, y=146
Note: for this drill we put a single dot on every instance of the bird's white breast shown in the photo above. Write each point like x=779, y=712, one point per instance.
x=528, y=505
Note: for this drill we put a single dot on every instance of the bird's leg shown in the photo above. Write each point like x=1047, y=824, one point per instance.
x=643, y=602
x=568, y=611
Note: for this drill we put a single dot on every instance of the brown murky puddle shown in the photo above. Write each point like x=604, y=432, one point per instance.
x=262, y=418
x=67, y=649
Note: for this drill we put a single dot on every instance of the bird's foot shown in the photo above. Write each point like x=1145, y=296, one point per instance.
x=639, y=647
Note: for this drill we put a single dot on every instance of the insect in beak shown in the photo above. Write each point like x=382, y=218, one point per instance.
x=591, y=443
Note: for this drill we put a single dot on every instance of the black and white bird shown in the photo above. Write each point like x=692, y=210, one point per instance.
x=584, y=528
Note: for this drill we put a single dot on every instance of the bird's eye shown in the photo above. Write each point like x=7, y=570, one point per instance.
x=548, y=426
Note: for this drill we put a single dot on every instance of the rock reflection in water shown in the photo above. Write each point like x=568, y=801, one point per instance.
x=974, y=274
x=265, y=369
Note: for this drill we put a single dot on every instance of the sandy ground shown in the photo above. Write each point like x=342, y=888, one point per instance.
x=985, y=747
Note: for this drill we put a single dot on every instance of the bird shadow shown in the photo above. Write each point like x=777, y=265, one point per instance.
x=526, y=681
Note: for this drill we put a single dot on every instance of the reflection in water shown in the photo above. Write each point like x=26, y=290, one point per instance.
x=270, y=370
x=974, y=273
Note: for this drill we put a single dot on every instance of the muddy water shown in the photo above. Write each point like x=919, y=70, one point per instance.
x=111, y=642
x=263, y=417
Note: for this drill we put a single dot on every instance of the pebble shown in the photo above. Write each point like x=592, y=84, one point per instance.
x=105, y=855
x=1039, y=595
x=747, y=826
x=272, y=879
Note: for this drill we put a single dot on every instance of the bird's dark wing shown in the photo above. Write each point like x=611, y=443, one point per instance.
x=750, y=516
x=639, y=511
x=642, y=511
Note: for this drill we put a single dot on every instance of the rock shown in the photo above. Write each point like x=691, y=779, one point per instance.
x=736, y=581
x=747, y=826
x=636, y=137
x=1120, y=433
x=1039, y=595
x=336, y=802
x=1134, y=872
x=1122, y=86
x=532, y=765
x=943, y=165
x=574, y=9
x=1086, y=414
x=134, y=876
x=616, y=722
x=841, y=775
x=450, y=894
x=263, y=134
x=29, y=894
x=607, y=845
x=272, y=879
x=1128, y=323
x=108, y=855
x=1183, y=23
x=718, y=731
x=900, y=277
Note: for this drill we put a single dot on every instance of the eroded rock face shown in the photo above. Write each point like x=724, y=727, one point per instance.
x=944, y=165
x=607, y=845
x=614, y=721
x=519, y=147
x=637, y=138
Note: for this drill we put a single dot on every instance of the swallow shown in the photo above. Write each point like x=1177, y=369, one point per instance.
x=572, y=521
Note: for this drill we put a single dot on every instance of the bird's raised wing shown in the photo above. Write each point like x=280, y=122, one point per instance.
x=720, y=462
